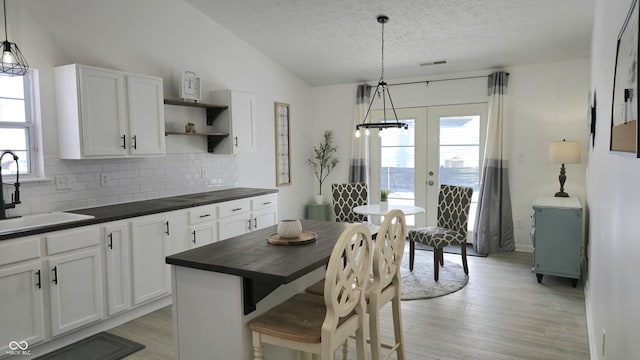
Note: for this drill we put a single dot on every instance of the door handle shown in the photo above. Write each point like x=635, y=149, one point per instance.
x=55, y=275
x=430, y=173
x=38, y=284
x=430, y=182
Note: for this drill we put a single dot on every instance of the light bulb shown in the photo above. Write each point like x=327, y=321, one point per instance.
x=8, y=58
x=367, y=132
x=358, y=133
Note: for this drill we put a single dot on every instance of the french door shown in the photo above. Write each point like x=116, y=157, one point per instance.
x=443, y=145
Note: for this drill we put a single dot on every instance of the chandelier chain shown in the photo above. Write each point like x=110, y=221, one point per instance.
x=382, y=57
x=4, y=13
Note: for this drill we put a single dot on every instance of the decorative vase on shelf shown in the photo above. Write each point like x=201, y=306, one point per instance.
x=384, y=205
x=319, y=199
x=289, y=228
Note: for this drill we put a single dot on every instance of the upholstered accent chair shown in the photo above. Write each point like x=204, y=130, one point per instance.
x=345, y=198
x=453, y=216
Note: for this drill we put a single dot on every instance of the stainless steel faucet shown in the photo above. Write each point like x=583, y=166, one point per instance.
x=15, y=197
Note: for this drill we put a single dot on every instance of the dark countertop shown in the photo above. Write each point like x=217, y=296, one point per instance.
x=263, y=266
x=141, y=208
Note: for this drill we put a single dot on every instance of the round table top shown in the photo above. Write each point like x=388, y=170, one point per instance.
x=374, y=209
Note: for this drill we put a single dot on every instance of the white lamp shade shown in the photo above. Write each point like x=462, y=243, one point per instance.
x=564, y=152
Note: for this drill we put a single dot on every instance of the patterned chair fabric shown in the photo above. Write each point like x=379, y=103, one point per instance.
x=345, y=198
x=453, y=216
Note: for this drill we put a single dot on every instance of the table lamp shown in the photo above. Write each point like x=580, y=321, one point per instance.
x=564, y=152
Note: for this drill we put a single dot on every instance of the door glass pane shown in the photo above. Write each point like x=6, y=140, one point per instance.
x=397, y=165
x=460, y=155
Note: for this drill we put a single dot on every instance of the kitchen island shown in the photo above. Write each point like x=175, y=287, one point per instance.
x=220, y=287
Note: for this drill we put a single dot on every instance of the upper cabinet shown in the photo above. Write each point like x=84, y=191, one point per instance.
x=238, y=120
x=105, y=113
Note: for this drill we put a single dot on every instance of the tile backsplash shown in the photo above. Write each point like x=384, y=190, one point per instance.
x=75, y=184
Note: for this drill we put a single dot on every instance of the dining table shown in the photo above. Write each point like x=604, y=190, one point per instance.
x=220, y=287
x=376, y=210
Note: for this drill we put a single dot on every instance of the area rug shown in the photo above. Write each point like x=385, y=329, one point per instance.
x=453, y=249
x=101, y=346
x=419, y=283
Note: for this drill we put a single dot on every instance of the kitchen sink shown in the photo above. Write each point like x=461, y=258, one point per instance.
x=38, y=220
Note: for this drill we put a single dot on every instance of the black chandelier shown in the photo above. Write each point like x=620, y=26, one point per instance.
x=12, y=62
x=383, y=92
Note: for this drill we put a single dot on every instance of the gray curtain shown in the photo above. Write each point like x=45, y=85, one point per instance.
x=494, y=222
x=359, y=162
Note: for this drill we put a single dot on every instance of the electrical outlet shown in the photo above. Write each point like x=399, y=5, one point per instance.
x=604, y=338
x=62, y=182
x=105, y=179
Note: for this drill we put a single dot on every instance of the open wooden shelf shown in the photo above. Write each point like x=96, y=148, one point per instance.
x=213, y=138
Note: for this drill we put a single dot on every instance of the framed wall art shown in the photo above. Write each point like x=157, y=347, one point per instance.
x=283, y=144
x=624, y=109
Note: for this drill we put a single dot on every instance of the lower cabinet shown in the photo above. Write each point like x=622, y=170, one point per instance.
x=75, y=289
x=117, y=266
x=21, y=308
x=149, y=247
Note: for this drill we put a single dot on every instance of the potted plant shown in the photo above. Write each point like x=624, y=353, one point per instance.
x=323, y=161
x=384, y=194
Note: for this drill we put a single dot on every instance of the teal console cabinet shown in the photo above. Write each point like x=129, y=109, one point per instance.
x=557, y=237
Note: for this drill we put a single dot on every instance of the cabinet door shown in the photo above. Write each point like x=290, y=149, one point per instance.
x=149, y=247
x=75, y=281
x=118, y=260
x=242, y=122
x=264, y=218
x=21, y=309
x=146, y=115
x=234, y=226
x=202, y=234
x=103, y=112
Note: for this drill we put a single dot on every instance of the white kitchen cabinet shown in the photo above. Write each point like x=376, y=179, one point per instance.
x=74, y=270
x=203, y=227
x=105, y=113
x=21, y=292
x=238, y=120
x=239, y=217
x=117, y=266
x=264, y=211
x=149, y=247
x=234, y=218
x=76, y=293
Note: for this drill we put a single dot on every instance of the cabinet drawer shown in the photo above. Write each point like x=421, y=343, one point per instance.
x=265, y=201
x=62, y=241
x=202, y=214
x=12, y=251
x=233, y=208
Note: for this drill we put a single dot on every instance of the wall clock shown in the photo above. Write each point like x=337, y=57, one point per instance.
x=190, y=89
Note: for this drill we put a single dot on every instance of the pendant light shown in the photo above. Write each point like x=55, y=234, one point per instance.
x=383, y=92
x=12, y=62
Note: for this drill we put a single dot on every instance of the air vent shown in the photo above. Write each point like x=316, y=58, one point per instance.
x=439, y=62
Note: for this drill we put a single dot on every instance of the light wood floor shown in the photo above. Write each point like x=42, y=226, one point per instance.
x=502, y=313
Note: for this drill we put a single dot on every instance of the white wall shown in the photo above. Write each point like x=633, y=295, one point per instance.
x=160, y=38
x=546, y=102
x=612, y=294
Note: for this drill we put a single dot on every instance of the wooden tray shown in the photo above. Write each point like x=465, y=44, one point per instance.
x=305, y=237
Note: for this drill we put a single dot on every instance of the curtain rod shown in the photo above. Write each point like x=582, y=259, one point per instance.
x=428, y=81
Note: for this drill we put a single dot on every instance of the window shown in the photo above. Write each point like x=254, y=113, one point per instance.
x=19, y=132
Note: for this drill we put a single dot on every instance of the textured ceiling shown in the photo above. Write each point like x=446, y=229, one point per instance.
x=338, y=41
